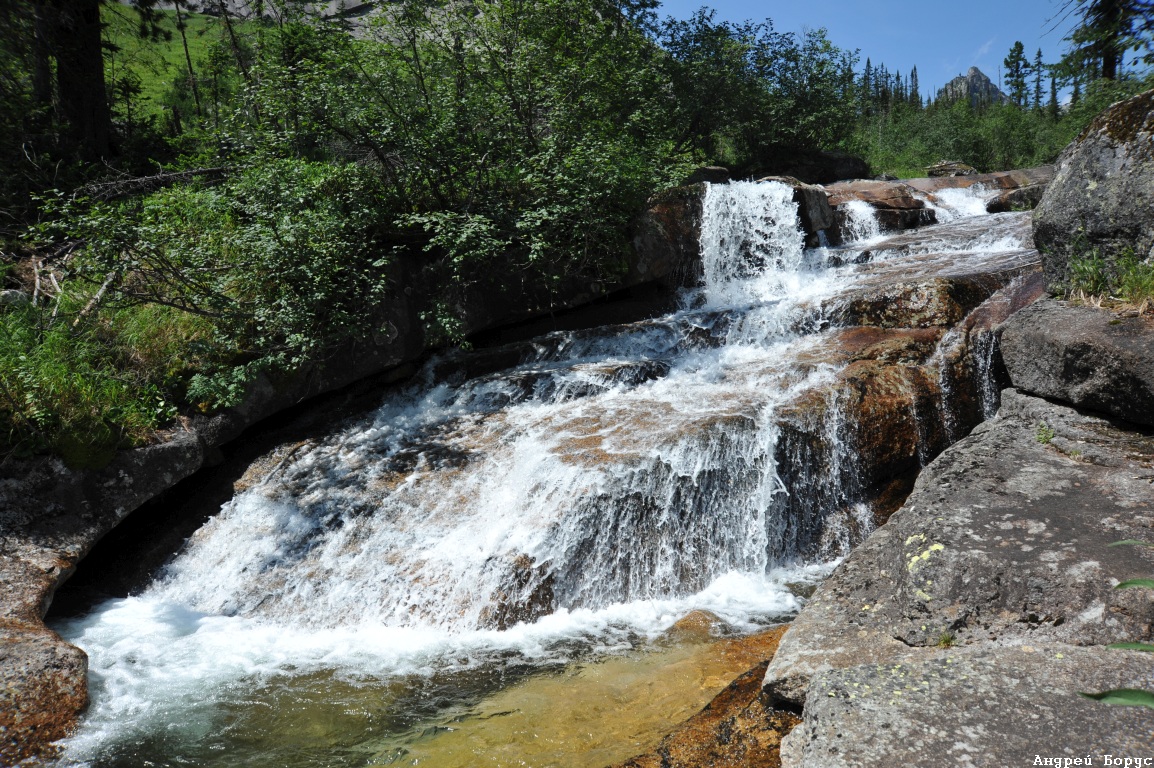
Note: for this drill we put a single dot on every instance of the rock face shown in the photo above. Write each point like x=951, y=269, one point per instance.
x=975, y=86
x=1103, y=191
x=1084, y=356
x=944, y=710
x=895, y=205
x=813, y=207
x=1003, y=545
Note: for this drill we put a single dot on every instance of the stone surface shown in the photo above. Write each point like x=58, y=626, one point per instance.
x=1092, y=358
x=991, y=707
x=1103, y=191
x=879, y=194
x=950, y=168
x=1004, y=540
x=738, y=729
x=976, y=86
x=813, y=207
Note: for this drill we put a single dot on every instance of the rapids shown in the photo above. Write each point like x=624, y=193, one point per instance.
x=484, y=528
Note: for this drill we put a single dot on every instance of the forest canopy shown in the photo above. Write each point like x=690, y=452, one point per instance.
x=191, y=198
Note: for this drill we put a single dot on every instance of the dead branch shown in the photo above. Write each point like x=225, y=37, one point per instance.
x=111, y=190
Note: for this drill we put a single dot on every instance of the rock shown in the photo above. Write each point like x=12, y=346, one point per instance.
x=1088, y=357
x=666, y=238
x=1022, y=199
x=712, y=174
x=42, y=690
x=13, y=298
x=980, y=707
x=1103, y=191
x=975, y=86
x=1004, y=540
x=738, y=729
x=812, y=207
x=950, y=168
x=1006, y=181
x=880, y=194
x=895, y=205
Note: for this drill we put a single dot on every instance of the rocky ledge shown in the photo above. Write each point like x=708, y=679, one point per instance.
x=991, y=592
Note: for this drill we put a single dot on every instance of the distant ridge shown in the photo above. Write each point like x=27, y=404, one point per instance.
x=975, y=86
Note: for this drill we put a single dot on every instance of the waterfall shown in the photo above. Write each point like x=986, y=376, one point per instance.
x=861, y=223
x=608, y=484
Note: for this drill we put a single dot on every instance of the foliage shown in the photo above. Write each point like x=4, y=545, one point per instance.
x=1045, y=434
x=1129, y=279
x=1131, y=697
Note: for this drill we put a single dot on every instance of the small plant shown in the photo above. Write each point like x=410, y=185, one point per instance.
x=1045, y=433
x=1089, y=277
x=946, y=639
x=1129, y=697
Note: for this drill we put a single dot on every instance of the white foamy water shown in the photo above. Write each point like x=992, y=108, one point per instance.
x=578, y=503
x=953, y=204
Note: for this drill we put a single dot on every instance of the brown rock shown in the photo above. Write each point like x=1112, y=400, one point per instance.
x=813, y=208
x=739, y=728
x=880, y=194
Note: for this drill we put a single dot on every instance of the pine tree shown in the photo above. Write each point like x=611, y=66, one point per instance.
x=1017, y=68
x=915, y=94
x=867, y=89
x=1052, y=107
x=1038, y=69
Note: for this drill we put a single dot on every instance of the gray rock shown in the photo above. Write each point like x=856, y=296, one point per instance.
x=975, y=86
x=950, y=168
x=975, y=707
x=1088, y=357
x=1103, y=192
x=1005, y=539
x=13, y=298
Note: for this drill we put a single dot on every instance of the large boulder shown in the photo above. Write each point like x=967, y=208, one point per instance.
x=1103, y=192
x=813, y=207
x=1089, y=357
x=1005, y=541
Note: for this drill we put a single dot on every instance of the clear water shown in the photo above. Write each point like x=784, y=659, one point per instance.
x=390, y=579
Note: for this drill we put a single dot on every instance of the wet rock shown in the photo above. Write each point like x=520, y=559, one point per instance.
x=1004, y=181
x=811, y=166
x=1088, y=357
x=695, y=626
x=1103, y=191
x=50, y=516
x=894, y=195
x=813, y=207
x=1005, y=540
x=666, y=238
x=42, y=690
x=987, y=707
x=938, y=302
x=738, y=729
x=1022, y=199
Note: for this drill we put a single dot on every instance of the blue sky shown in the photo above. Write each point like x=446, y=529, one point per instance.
x=942, y=39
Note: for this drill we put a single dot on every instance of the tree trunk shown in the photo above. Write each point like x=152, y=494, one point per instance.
x=73, y=34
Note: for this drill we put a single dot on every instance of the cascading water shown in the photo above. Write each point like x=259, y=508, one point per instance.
x=578, y=503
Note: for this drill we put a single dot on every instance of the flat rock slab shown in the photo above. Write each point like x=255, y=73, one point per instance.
x=1004, y=540
x=975, y=707
x=1093, y=358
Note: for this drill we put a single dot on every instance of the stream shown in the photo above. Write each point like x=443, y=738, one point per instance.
x=490, y=568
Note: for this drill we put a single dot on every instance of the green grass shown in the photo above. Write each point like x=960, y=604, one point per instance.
x=157, y=65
